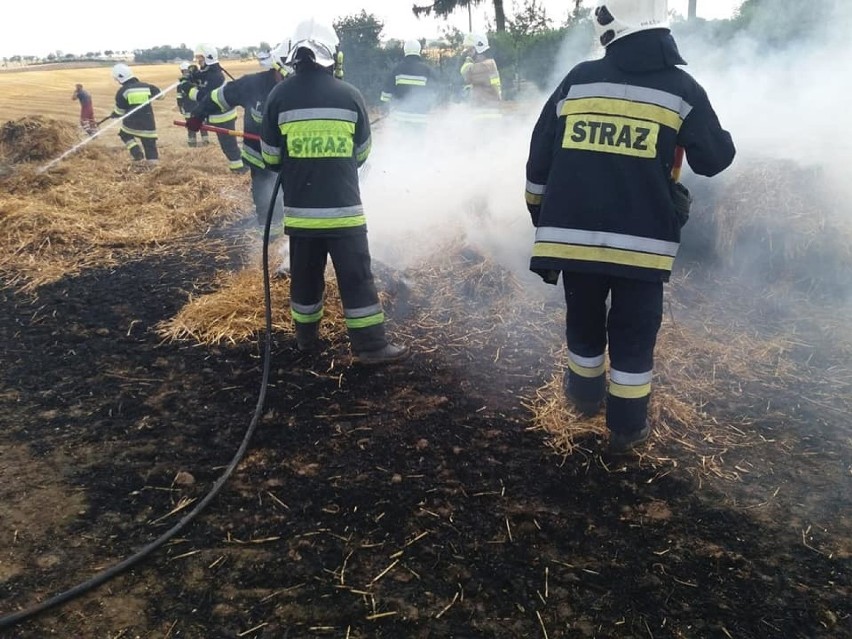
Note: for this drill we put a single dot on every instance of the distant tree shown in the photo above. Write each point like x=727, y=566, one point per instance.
x=51, y=57
x=108, y=53
x=529, y=20
x=443, y=8
x=264, y=46
x=365, y=61
x=69, y=56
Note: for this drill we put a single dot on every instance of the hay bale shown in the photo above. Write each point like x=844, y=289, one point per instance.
x=775, y=221
x=35, y=139
x=234, y=313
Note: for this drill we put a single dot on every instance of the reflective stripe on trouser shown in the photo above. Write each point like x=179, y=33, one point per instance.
x=630, y=326
x=148, y=149
x=262, y=184
x=351, y=259
x=229, y=145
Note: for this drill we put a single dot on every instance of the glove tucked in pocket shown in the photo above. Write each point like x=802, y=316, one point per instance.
x=682, y=201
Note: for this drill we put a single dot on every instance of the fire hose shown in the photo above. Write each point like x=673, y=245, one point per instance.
x=102, y=577
x=79, y=146
x=222, y=131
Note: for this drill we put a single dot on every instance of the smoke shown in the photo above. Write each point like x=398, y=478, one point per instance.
x=780, y=92
x=461, y=179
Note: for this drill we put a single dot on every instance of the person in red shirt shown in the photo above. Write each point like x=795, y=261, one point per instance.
x=87, y=111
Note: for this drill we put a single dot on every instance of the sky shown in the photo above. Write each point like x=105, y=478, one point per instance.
x=23, y=31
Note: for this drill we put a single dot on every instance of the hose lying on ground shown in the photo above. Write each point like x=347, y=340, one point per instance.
x=102, y=577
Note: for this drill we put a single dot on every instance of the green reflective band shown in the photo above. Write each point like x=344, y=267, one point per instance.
x=365, y=322
x=136, y=97
x=583, y=371
x=271, y=159
x=603, y=254
x=220, y=118
x=218, y=97
x=325, y=223
x=319, y=138
x=629, y=392
x=139, y=133
x=303, y=318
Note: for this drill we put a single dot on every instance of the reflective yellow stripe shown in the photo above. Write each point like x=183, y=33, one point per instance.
x=304, y=318
x=533, y=199
x=325, y=223
x=135, y=97
x=365, y=322
x=220, y=118
x=623, y=108
x=319, y=138
x=140, y=134
x=602, y=254
x=582, y=371
x=629, y=392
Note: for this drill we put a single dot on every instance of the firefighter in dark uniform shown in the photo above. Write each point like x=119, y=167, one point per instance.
x=210, y=77
x=250, y=92
x=607, y=213
x=411, y=87
x=139, y=126
x=186, y=104
x=315, y=130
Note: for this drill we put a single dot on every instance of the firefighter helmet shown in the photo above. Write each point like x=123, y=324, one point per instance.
x=121, y=73
x=184, y=68
x=615, y=19
x=264, y=58
x=478, y=41
x=315, y=39
x=278, y=56
x=411, y=47
x=206, y=54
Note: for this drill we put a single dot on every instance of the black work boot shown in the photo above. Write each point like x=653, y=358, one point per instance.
x=307, y=337
x=385, y=355
x=622, y=443
x=585, y=393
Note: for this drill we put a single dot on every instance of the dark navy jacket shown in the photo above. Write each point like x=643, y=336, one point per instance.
x=250, y=92
x=315, y=130
x=601, y=156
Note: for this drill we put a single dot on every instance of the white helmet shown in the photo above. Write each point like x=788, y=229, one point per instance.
x=207, y=52
x=278, y=58
x=411, y=47
x=184, y=67
x=317, y=38
x=615, y=19
x=478, y=41
x=264, y=58
x=121, y=73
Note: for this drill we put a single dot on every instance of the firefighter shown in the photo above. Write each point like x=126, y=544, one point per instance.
x=607, y=214
x=316, y=132
x=210, y=77
x=139, y=126
x=87, y=111
x=411, y=87
x=250, y=92
x=481, y=77
x=186, y=104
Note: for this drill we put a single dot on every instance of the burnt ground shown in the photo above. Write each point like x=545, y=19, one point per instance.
x=410, y=501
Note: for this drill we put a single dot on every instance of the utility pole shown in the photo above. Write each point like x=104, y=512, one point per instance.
x=469, y=19
x=692, y=10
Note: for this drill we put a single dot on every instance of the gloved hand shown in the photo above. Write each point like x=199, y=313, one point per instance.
x=194, y=123
x=682, y=201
